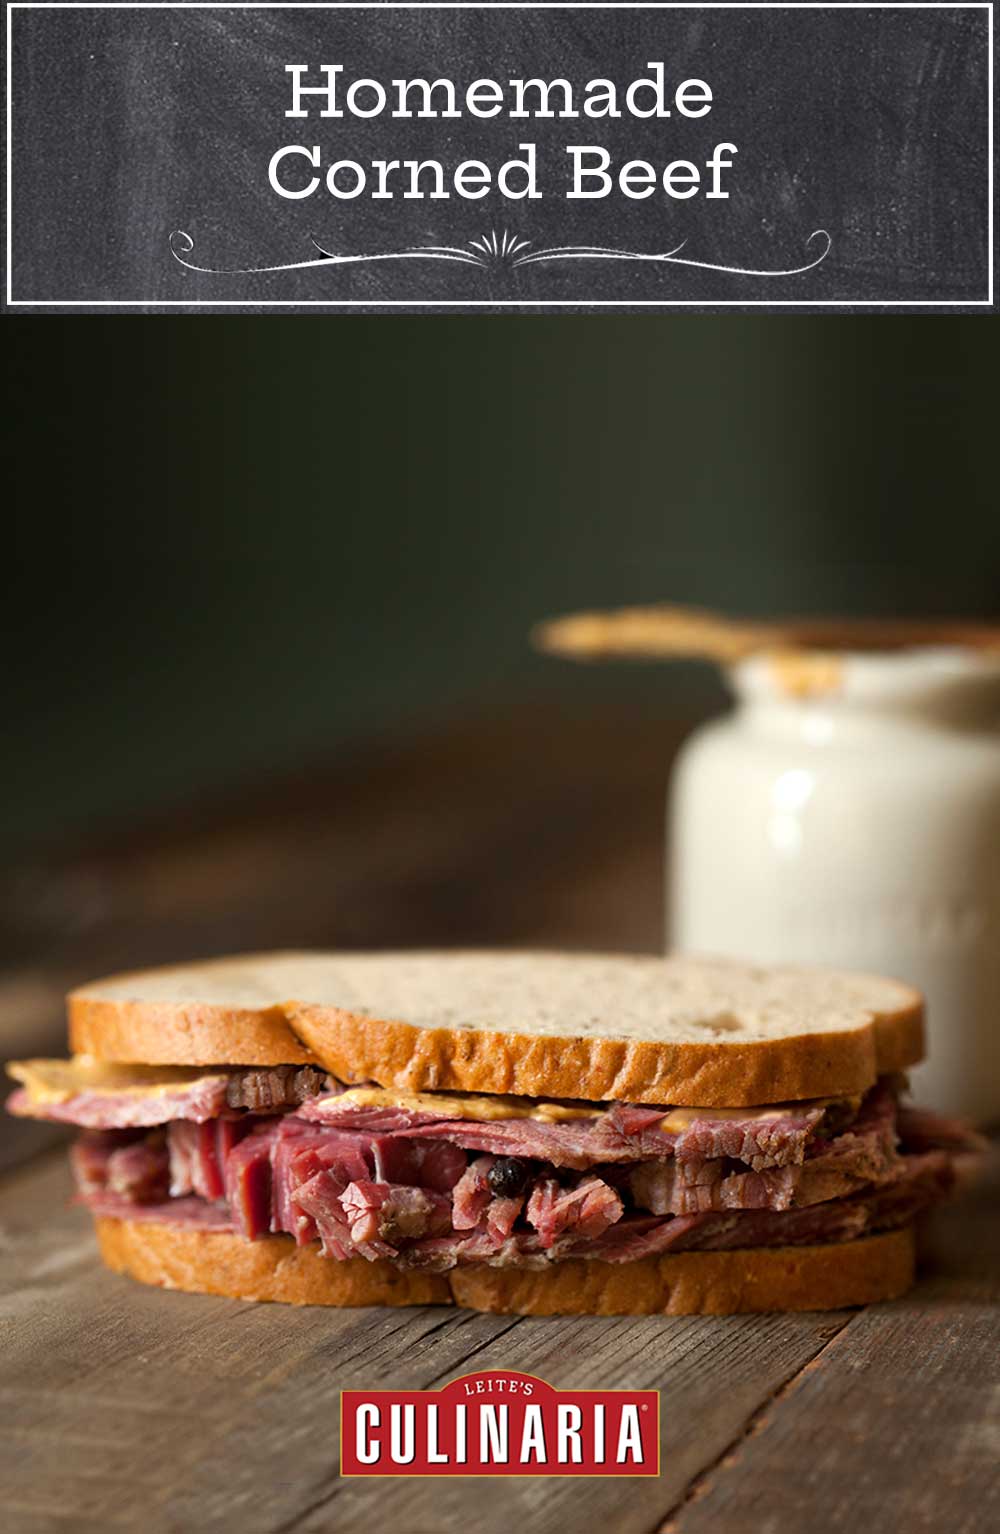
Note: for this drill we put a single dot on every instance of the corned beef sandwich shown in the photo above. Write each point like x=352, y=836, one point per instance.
x=522, y=1132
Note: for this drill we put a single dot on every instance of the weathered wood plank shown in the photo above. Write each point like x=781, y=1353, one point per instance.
x=197, y=1412
x=713, y=1374
x=124, y=1390
x=896, y=1423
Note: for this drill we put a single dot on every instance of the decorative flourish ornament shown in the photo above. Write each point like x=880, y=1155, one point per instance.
x=492, y=254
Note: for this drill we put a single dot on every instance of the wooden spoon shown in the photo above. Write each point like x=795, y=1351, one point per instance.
x=665, y=631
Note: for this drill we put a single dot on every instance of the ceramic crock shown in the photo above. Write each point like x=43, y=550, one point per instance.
x=850, y=816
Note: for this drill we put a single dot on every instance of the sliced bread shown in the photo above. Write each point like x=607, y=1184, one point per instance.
x=701, y=1032
x=680, y=1284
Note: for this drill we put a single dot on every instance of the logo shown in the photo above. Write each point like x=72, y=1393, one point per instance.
x=499, y=1423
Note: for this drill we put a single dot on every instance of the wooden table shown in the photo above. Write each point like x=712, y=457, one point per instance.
x=130, y=1407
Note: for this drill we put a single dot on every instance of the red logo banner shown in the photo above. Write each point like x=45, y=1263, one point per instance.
x=499, y=1423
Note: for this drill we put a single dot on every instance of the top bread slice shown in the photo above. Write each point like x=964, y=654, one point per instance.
x=697, y=1032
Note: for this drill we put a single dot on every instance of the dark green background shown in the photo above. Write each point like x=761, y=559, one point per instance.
x=242, y=543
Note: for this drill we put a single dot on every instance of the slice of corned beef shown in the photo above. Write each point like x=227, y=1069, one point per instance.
x=280, y=1158
x=89, y=1156
x=833, y=1169
x=635, y=1236
x=208, y=1097
x=916, y=1182
x=198, y=1100
x=383, y=1215
x=573, y=1145
x=248, y=1183
x=681, y=1187
x=180, y=1146
x=501, y=1215
x=343, y=1112
x=570, y=1144
x=133, y=1168
x=434, y=1164
x=228, y=1134
x=584, y=1211
x=170, y=1211
x=474, y=1204
x=631, y=1132
x=437, y=1254
x=639, y=1236
x=910, y=1187
x=472, y=1194
x=839, y=1221
x=761, y=1143
x=274, y=1087
x=291, y=1168
x=297, y=1161
x=318, y=1200
x=140, y=1171
x=623, y=1133
x=198, y=1155
x=287, y=1174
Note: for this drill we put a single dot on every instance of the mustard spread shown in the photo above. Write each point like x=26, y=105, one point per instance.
x=456, y=1106
x=56, y=1081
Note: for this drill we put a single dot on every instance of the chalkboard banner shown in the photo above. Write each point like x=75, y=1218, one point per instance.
x=499, y=156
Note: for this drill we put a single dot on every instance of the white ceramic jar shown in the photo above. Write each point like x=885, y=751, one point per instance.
x=857, y=826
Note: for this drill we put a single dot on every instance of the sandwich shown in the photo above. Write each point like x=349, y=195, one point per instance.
x=532, y=1133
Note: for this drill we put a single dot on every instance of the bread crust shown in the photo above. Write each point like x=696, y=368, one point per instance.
x=271, y=1268
x=709, y=1075
x=159, y=1033
x=899, y=1039
x=830, y=1277
x=827, y=1277
x=358, y=1046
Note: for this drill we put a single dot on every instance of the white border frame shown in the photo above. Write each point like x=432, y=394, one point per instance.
x=516, y=303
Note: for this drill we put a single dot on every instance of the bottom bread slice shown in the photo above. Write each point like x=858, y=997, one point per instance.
x=683, y=1284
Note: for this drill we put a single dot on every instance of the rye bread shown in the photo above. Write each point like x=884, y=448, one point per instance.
x=686, y=1283
x=700, y=1032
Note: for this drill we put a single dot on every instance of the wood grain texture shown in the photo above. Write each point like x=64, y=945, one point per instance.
x=210, y=1413
x=129, y=1405
x=896, y=1423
